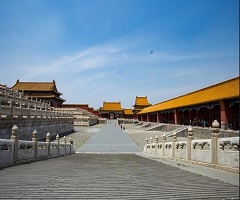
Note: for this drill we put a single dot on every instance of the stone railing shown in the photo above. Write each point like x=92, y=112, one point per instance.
x=13, y=103
x=127, y=121
x=221, y=153
x=82, y=117
x=102, y=120
x=16, y=151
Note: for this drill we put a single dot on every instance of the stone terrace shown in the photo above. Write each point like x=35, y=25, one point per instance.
x=115, y=176
x=108, y=176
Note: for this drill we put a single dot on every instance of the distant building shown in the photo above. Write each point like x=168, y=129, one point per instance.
x=140, y=103
x=111, y=110
x=199, y=108
x=46, y=91
x=128, y=114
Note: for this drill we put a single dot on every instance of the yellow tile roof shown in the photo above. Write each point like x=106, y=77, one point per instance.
x=141, y=101
x=111, y=106
x=128, y=111
x=224, y=90
x=35, y=86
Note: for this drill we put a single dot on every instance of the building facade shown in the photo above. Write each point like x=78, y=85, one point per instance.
x=128, y=113
x=140, y=103
x=46, y=91
x=199, y=108
x=111, y=110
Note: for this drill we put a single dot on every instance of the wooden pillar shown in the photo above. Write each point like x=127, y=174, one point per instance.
x=158, y=120
x=209, y=116
x=147, y=117
x=224, y=114
x=175, y=116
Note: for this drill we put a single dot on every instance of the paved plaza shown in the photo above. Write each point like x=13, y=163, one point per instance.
x=109, y=139
x=114, y=172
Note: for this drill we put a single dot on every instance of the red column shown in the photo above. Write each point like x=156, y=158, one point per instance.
x=175, y=116
x=224, y=114
x=209, y=117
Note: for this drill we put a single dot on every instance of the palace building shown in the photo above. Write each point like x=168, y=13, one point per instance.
x=140, y=103
x=128, y=113
x=46, y=91
x=199, y=108
x=111, y=110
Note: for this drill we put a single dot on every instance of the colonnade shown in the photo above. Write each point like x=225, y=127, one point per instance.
x=226, y=112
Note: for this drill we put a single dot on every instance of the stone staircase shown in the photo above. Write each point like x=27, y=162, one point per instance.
x=150, y=128
x=178, y=130
x=108, y=176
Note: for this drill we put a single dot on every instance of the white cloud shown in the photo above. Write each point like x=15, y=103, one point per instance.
x=117, y=71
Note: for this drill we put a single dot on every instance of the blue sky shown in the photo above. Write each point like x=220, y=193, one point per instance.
x=100, y=50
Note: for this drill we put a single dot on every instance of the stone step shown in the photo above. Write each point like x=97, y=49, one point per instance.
x=108, y=176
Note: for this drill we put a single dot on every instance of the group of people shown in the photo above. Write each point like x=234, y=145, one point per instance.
x=198, y=122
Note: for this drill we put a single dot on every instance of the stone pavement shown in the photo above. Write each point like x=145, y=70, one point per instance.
x=112, y=172
x=108, y=176
x=109, y=139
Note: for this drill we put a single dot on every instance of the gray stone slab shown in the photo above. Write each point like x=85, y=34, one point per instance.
x=108, y=176
x=110, y=138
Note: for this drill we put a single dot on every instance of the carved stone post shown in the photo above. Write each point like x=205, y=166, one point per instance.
x=11, y=107
x=21, y=108
x=70, y=143
x=35, y=140
x=57, y=138
x=48, y=143
x=14, y=96
x=164, y=141
x=35, y=109
x=28, y=108
x=14, y=138
x=150, y=140
x=0, y=106
x=65, y=142
x=145, y=146
x=214, y=144
x=156, y=142
x=189, y=142
x=173, y=143
x=40, y=110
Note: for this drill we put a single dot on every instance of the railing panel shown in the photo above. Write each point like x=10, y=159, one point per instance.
x=159, y=149
x=54, y=149
x=26, y=150
x=62, y=149
x=168, y=149
x=180, y=150
x=42, y=149
x=228, y=151
x=6, y=152
x=152, y=148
